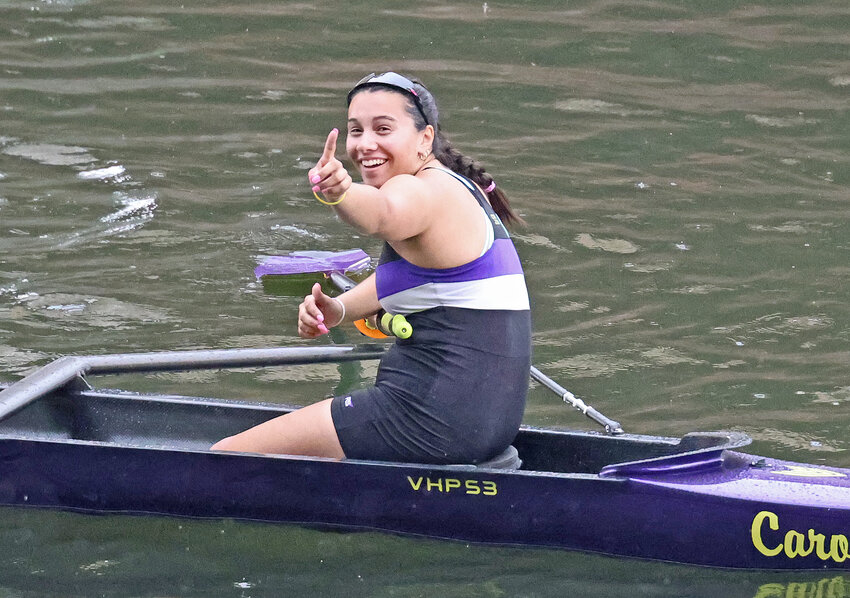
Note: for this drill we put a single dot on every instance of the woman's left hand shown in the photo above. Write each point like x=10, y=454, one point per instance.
x=329, y=177
x=317, y=311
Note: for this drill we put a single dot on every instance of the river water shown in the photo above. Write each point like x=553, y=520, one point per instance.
x=683, y=168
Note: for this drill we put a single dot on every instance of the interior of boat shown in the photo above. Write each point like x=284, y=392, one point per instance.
x=191, y=423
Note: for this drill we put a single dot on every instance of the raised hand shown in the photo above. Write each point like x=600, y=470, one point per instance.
x=329, y=177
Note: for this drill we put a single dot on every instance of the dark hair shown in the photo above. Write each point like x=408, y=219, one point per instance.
x=445, y=152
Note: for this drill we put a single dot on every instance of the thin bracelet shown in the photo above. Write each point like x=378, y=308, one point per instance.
x=330, y=203
x=342, y=305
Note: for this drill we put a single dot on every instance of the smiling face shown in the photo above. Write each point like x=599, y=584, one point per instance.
x=382, y=138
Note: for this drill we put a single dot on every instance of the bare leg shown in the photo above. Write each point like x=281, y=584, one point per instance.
x=307, y=431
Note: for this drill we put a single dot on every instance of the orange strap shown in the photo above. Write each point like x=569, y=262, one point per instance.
x=367, y=330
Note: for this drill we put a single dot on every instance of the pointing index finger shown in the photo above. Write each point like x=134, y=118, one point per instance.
x=330, y=145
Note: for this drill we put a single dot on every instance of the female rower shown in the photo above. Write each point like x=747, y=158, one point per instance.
x=454, y=392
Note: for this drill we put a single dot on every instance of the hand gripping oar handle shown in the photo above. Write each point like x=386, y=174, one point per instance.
x=610, y=425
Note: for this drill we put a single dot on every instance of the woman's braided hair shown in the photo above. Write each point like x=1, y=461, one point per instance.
x=445, y=152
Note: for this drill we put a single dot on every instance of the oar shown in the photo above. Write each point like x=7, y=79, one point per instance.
x=334, y=265
x=308, y=262
x=610, y=425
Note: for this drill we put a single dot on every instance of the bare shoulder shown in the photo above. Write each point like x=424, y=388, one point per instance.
x=431, y=187
x=404, y=184
x=442, y=184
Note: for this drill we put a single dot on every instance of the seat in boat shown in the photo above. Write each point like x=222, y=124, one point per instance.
x=507, y=459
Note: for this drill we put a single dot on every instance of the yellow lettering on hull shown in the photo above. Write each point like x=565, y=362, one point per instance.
x=453, y=485
x=794, y=543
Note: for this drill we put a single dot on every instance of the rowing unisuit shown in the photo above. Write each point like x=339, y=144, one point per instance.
x=455, y=391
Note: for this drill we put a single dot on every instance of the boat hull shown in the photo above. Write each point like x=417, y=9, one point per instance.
x=631, y=495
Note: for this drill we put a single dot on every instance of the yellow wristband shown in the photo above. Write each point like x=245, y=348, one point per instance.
x=330, y=203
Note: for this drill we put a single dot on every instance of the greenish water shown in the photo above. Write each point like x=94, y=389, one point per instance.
x=683, y=168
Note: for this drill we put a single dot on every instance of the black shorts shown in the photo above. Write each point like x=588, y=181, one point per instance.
x=435, y=402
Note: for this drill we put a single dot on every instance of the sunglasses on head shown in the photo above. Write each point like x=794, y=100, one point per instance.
x=395, y=81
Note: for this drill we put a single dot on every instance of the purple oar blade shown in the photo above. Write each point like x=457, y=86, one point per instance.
x=306, y=262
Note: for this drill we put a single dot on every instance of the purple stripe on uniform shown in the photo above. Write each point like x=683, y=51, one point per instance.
x=399, y=275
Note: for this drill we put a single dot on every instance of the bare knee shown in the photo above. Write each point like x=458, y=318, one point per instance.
x=226, y=444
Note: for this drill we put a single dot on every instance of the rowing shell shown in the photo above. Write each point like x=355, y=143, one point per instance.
x=696, y=500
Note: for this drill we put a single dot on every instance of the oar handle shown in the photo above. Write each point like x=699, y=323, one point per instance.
x=610, y=425
x=341, y=281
